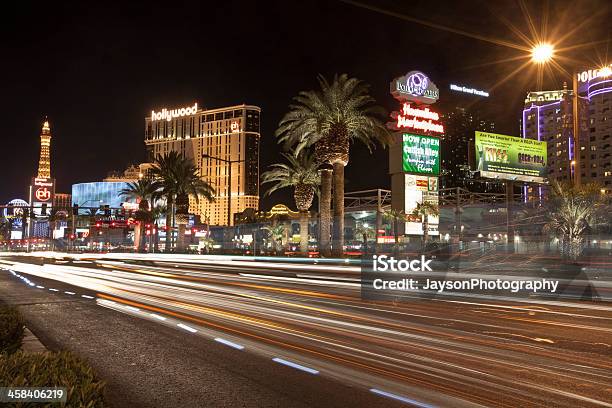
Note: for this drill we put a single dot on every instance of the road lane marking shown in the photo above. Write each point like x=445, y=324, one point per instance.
x=400, y=398
x=157, y=316
x=132, y=308
x=53, y=290
x=69, y=293
x=185, y=327
x=87, y=296
x=295, y=365
x=229, y=343
x=40, y=287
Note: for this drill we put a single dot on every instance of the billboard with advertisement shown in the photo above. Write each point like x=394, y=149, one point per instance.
x=509, y=157
x=420, y=154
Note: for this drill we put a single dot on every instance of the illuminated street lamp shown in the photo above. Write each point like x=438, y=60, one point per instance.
x=542, y=53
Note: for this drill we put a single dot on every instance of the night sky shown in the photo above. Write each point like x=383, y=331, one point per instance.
x=96, y=68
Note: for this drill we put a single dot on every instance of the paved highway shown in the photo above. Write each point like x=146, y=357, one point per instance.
x=443, y=351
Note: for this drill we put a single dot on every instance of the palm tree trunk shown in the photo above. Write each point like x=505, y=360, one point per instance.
x=143, y=236
x=156, y=238
x=425, y=230
x=396, y=236
x=325, y=212
x=180, y=241
x=304, y=231
x=169, y=211
x=338, y=226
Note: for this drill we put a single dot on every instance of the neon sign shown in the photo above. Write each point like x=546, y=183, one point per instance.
x=42, y=194
x=415, y=86
x=235, y=126
x=174, y=113
x=465, y=89
x=586, y=76
x=417, y=119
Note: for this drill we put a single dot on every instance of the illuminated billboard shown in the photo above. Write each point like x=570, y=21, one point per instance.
x=420, y=154
x=509, y=157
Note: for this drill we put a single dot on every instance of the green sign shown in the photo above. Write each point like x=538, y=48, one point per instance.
x=508, y=157
x=420, y=154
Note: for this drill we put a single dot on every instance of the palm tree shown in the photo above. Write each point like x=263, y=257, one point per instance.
x=145, y=191
x=157, y=212
x=329, y=119
x=423, y=211
x=179, y=179
x=276, y=233
x=299, y=173
x=574, y=210
x=395, y=216
x=366, y=232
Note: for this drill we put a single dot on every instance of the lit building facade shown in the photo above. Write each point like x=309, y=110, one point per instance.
x=549, y=116
x=98, y=193
x=230, y=136
x=62, y=201
x=460, y=125
x=131, y=174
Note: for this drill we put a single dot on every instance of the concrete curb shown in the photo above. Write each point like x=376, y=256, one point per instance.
x=31, y=344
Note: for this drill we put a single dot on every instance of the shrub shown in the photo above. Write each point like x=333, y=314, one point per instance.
x=11, y=329
x=51, y=369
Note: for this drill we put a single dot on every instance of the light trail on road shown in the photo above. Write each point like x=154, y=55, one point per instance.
x=442, y=351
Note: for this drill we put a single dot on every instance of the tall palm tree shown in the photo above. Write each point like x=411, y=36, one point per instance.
x=342, y=111
x=395, y=216
x=423, y=211
x=164, y=171
x=179, y=180
x=574, y=211
x=299, y=173
x=145, y=191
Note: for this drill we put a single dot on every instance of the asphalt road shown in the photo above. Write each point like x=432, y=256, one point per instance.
x=187, y=320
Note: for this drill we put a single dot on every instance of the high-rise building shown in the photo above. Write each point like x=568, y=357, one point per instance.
x=460, y=125
x=549, y=116
x=224, y=146
x=44, y=163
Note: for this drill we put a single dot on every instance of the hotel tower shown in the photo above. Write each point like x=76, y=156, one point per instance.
x=223, y=144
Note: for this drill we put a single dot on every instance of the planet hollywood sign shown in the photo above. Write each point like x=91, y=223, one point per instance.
x=169, y=114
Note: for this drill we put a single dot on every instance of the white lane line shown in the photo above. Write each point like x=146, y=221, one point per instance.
x=295, y=365
x=132, y=308
x=157, y=316
x=87, y=296
x=184, y=326
x=53, y=290
x=400, y=398
x=299, y=280
x=69, y=293
x=30, y=283
x=229, y=343
x=40, y=287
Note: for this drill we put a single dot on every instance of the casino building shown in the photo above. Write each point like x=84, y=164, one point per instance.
x=549, y=116
x=223, y=144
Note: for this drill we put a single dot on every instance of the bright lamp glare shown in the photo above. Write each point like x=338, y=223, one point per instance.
x=542, y=53
x=605, y=72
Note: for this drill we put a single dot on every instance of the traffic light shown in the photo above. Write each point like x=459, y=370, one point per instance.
x=43, y=209
x=75, y=209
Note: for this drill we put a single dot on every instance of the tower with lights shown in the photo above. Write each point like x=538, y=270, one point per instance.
x=44, y=163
